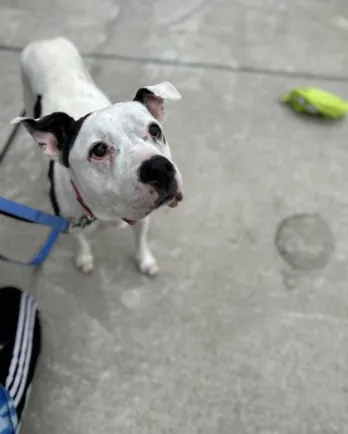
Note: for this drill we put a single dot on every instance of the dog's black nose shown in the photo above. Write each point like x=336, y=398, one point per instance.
x=159, y=172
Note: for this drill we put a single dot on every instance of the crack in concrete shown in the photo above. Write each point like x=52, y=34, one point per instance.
x=182, y=16
x=242, y=69
x=108, y=34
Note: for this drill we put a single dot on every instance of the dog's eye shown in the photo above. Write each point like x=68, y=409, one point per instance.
x=155, y=131
x=98, y=151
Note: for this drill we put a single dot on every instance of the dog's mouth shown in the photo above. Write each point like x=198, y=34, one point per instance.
x=130, y=222
x=171, y=201
x=175, y=201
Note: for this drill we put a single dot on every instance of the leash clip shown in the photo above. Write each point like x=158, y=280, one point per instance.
x=81, y=222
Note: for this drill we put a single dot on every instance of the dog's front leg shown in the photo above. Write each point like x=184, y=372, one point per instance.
x=84, y=257
x=145, y=259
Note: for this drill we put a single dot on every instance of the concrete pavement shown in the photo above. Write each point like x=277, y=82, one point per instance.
x=229, y=338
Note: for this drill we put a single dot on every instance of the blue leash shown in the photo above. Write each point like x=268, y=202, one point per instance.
x=31, y=215
x=25, y=213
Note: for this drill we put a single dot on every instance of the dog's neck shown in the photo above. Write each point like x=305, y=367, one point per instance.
x=64, y=192
x=81, y=201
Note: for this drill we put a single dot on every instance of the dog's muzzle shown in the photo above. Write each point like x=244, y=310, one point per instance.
x=160, y=173
x=175, y=202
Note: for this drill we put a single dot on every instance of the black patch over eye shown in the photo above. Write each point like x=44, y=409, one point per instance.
x=98, y=151
x=155, y=131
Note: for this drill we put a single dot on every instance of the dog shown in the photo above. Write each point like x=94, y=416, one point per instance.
x=108, y=162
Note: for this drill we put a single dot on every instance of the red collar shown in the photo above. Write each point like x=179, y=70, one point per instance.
x=85, y=207
x=80, y=200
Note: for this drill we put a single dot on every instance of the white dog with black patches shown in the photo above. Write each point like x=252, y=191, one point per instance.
x=108, y=162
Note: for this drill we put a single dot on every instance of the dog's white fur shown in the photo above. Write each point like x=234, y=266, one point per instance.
x=54, y=69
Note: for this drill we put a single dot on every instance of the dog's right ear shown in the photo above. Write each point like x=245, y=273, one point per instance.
x=153, y=97
x=52, y=132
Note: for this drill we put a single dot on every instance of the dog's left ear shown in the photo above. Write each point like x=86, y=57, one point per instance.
x=153, y=97
x=52, y=133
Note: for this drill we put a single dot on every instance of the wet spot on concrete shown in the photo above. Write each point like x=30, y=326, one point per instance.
x=290, y=279
x=305, y=241
x=134, y=298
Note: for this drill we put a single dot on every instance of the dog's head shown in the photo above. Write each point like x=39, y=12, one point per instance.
x=118, y=157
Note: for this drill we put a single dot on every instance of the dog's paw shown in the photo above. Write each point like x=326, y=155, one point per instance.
x=148, y=264
x=85, y=262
